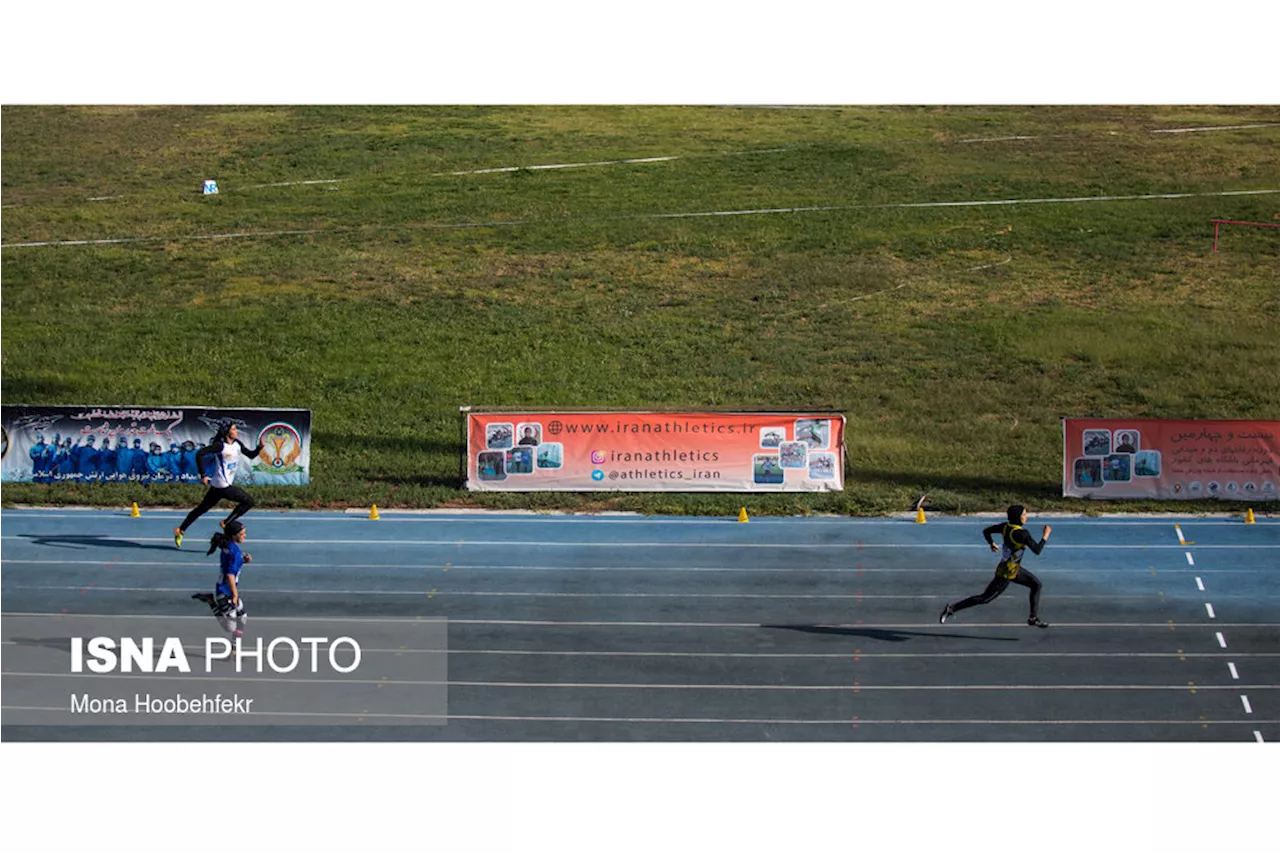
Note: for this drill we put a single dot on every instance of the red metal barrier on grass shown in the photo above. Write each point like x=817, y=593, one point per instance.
x=1217, y=223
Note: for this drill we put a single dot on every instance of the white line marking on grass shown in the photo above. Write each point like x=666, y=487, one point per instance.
x=177, y=238
x=1222, y=641
x=990, y=266
x=1000, y=139
x=813, y=209
x=1248, y=709
x=561, y=166
x=1209, y=607
x=1220, y=127
x=924, y=204
x=293, y=183
x=1200, y=584
x=1234, y=675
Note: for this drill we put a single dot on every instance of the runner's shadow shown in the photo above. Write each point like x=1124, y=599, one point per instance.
x=888, y=635
x=86, y=541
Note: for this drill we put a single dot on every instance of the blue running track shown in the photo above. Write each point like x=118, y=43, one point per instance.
x=622, y=628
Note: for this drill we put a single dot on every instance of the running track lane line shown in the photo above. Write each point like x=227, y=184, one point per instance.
x=608, y=685
x=606, y=624
x=712, y=720
x=841, y=656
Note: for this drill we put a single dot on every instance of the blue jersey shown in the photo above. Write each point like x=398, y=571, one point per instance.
x=232, y=563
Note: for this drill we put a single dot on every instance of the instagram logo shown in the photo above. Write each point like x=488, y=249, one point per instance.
x=597, y=456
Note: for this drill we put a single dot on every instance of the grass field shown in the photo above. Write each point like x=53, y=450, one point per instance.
x=413, y=279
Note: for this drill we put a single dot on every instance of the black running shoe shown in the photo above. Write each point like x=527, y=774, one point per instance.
x=206, y=597
x=947, y=613
x=1037, y=622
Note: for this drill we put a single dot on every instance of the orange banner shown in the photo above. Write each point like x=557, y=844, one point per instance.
x=654, y=452
x=1146, y=458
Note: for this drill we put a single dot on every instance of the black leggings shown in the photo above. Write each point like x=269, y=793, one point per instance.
x=999, y=585
x=235, y=494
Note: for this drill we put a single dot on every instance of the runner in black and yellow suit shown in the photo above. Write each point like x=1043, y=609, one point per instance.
x=1016, y=541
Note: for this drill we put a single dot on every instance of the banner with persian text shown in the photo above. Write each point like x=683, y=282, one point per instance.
x=134, y=444
x=1148, y=458
x=654, y=452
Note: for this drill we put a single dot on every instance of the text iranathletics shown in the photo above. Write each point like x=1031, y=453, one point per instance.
x=145, y=703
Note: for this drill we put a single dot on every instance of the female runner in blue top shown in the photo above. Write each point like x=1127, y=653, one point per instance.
x=225, y=601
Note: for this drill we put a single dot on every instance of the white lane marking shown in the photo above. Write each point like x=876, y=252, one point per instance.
x=257, y=590
x=1231, y=666
x=1209, y=607
x=167, y=565
x=1190, y=561
x=1181, y=539
x=438, y=593
x=669, y=545
x=773, y=210
x=1267, y=626
x=1248, y=709
x=839, y=656
x=1200, y=584
x=626, y=685
x=845, y=722
x=360, y=716
x=1258, y=736
x=1219, y=127
x=1222, y=641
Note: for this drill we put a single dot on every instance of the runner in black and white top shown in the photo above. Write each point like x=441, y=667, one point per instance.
x=217, y=465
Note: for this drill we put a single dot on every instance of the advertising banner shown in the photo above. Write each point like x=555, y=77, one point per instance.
x=654, y=452
x=114, y=444
x=1180, y=459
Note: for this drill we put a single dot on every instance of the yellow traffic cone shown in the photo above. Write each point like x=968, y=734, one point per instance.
x=742, y=514
x=135, y=513
x=920, y=515
x=374, y=513
x=1248, y=516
